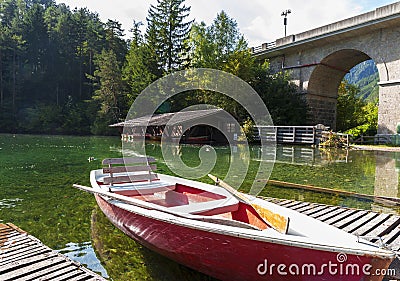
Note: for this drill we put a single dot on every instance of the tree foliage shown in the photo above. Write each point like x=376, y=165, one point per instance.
x=355, y=116
x=64, y=71
x=167, y=33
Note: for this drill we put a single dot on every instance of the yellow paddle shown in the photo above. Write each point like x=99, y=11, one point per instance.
x=274, y=220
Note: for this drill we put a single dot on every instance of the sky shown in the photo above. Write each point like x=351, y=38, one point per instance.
x=260, y=21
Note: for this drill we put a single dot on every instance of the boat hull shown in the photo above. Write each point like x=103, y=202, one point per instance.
x=228, y=257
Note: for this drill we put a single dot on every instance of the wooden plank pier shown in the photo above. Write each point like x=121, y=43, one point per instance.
x=381, y=229
x=24, y=257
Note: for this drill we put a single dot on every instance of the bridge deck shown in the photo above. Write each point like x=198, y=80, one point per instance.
x=24, y=257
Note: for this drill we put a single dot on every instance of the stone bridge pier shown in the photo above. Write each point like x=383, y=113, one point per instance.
x=318, y=60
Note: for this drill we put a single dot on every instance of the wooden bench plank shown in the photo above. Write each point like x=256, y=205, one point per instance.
x=126, y=169
x=132, y=178
x=128, y=160
x=375, y=222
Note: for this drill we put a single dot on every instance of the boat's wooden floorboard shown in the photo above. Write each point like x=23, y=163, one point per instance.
x=372, y=226
x=23, y=257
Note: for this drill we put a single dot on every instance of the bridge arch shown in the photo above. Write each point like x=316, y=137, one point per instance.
x=324, y=83
x=319, y=58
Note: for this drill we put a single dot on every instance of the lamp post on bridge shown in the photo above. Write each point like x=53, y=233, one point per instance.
x=285, y=14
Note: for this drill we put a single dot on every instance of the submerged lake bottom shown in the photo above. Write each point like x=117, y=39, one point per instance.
x=37, y=173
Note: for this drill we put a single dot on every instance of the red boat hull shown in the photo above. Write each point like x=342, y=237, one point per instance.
x=233, y=258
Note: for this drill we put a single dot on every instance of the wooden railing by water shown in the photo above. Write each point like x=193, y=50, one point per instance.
x=289, y=134
x=24, y=257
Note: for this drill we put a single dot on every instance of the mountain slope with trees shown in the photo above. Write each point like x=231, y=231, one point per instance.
x=65, y=71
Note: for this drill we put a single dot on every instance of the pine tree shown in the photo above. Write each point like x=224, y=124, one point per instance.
x=167, y=33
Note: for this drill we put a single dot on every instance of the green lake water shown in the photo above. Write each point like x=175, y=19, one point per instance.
x=37, y=172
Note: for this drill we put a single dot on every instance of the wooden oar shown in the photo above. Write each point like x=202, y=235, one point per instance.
x=274, y=220
x=383, y=199
x=151, y=206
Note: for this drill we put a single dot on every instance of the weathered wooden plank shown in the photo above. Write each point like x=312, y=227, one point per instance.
x=309, y=207
x=128, y=160
x=386, y=226
x=10, y=253
x=299, y=206
x=17, y=240
x=135, y=178
x=324, y=212
x=293, y=204
x=360, y=222
x=124, y=169
x=315, y=210
x=23, y=255
x=24, y=272
x=350, y=219
x=339, y=217
x=43, y=272
x=28, y=261
x=59, y=273
x=17, y=247
x=332, y=214
x=391, y=236
x=68, y=276
x=375, y=222
x=9, y=235
x=285, y=202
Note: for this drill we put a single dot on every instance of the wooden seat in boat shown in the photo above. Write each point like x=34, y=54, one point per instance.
x=133, y=176
x=214, y=207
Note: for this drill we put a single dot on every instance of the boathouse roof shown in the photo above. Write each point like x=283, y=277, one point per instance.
x=172, y=118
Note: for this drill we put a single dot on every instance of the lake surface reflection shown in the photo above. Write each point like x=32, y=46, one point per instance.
x=37, y=172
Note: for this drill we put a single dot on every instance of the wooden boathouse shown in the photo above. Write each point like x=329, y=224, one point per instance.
x=212, y=126
x=195, y=126
x=24, y=257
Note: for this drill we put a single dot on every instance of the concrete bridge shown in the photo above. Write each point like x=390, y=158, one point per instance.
x=318, y=60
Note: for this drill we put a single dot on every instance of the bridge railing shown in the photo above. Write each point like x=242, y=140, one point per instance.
x=264, y=46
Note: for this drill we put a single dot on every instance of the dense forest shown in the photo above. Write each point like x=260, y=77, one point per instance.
x=65, y=71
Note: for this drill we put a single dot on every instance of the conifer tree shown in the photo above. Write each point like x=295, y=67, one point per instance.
x=167, y=33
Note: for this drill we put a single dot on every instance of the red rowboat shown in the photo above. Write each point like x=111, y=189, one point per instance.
x=208, y=229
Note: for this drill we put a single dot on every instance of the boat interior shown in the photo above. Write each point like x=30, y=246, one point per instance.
x=135, y=178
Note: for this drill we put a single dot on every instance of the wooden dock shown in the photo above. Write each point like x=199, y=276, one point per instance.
x=24, y=257
x=381, y=229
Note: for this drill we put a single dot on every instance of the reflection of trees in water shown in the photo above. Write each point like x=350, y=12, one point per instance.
x=125, y=259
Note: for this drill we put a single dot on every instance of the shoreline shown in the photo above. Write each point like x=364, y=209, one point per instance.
x=376, y=148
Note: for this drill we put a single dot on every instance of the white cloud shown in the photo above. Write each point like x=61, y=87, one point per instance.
x=259, y=20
